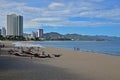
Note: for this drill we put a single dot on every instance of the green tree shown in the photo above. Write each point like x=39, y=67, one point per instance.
x=1, y=37
x=15, y=38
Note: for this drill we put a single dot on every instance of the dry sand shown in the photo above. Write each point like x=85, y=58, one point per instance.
x=90, y=65
x=72, y=65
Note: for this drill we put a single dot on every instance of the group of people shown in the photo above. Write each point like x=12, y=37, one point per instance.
x=2, y=45
x=43, y=55
x=30, y=52
x=76, y=49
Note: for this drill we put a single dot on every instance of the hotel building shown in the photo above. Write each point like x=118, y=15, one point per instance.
x=40, y=32
x=15, y=25
x=3, y=31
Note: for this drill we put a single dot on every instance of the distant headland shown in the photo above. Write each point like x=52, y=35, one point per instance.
x=54, y=36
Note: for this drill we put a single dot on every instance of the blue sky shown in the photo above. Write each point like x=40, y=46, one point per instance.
x=88, y=17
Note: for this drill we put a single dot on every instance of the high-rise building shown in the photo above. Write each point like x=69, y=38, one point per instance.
x=40, y=32
x=0, y=31
x=15, y=25
x=20, y=25
x=33, y=34
x=3, y=31
x=27, y=35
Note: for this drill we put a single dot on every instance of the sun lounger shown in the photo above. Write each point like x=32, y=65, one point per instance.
x=21, y=54
x=57, y=55
x=28, y=52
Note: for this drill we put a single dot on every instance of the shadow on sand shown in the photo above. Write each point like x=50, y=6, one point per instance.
x=12, y=68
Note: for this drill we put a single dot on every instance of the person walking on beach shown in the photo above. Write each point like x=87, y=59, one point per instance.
x=76, y=49
x=3, y=45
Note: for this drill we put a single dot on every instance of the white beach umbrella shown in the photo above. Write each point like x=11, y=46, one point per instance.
x=19, y=44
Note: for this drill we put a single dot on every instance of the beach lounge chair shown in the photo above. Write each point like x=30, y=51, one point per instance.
x=57, y=55
x=28, y=52
x=21, y=54
x=39, y=56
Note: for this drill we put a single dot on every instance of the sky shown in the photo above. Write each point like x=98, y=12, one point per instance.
x=87, y=17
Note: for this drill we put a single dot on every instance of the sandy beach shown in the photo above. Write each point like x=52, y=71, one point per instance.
x=72, y=65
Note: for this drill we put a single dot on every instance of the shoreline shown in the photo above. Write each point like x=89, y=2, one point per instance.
x=36, y=45
x=89, y=51
x=89, y=66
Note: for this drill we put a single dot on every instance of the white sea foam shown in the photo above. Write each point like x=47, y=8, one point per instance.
x=20, y=44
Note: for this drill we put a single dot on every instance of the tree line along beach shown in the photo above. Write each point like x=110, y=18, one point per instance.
x=71, y=65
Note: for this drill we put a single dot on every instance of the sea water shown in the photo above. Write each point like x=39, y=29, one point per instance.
x=101, y=47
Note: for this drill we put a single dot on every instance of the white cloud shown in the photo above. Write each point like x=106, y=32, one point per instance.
x=59, y=13
x=56, y=5
x=47, y=19
x=112, y=14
